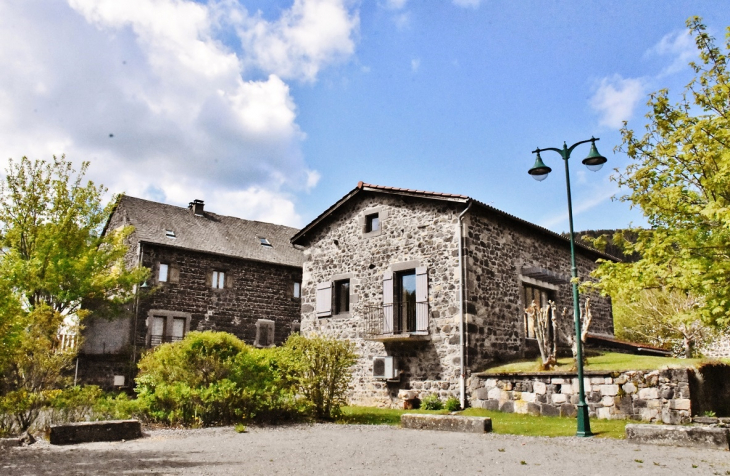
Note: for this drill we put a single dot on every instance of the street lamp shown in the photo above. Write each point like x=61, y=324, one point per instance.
x=539, y=172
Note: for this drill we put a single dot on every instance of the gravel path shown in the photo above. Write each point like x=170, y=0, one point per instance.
x=324, y=449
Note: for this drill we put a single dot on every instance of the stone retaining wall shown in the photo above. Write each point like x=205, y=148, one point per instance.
x=656, y=396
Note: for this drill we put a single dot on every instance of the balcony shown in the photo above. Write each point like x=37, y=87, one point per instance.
x=398, y=322
x=157, y=339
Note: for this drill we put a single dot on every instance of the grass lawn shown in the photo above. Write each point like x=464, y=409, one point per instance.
x=502, y=423
x=609, y=361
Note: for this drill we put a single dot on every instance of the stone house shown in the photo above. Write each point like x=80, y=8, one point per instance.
x=397, y=271
x=207, y=272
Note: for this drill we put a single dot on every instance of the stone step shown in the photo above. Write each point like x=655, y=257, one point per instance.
x=676, y=435
x=464, y=424
x=85, y=432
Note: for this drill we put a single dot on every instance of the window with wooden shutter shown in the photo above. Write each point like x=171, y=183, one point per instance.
x=264, y=333
x=174, y=273
x=421, y=299
x=163, y=272
x=388, y=302
x=324, y=299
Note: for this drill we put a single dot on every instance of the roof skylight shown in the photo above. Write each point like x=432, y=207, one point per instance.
x=265, y=242
x=170, y=234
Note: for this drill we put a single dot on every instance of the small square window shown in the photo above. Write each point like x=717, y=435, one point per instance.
x=372, y=223
x=342, y=296
x=219, y=279
x=265, y=242
x=162, y=276
x=297, y=292
x=169, y=233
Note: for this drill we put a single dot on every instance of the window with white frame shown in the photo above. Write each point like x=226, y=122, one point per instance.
x=163, y=273
x=219, y=280
x=297, y=290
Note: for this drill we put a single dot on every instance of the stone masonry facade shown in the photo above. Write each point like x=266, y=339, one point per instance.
x=417, y=232
x=652, y=396
x=256, y=301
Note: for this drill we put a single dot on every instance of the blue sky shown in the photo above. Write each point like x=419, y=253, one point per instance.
x=273, y=110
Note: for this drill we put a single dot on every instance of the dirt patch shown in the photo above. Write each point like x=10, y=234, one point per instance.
x=323, y=449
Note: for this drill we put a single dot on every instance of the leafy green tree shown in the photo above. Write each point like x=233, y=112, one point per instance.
x=680, y=179
x=55, y=261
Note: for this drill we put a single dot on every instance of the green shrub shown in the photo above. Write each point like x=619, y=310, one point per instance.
x=432, y=402
x=73, y=404
x=321, y=370
x=212, y=378
x=453, y=404
x=118, y=407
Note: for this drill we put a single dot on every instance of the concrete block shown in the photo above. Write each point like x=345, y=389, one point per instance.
x=567, y=389
x=607, y=401
x=507, y=407
x=520, y=406
x=680, y=404
x=84, y=432
x=629, y=387
x=528, y=397
x=673, y=435
x=491, y=382
x=549, y=410
x=567, y=410
x=603, y=413
x=492, y=405
x=533, y=409
x=494, y=394
x=648, y=393
x=482, y=394
x=559, y=398
x=648, y=414
x=557, y=381
x=540, y=388
x=446, y=423
x=609, y=390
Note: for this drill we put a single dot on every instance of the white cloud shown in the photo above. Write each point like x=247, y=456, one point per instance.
x=162, y=108
x=415, y=64
x=616, y=98
x=402, y=20
x=467, y=3
x=680, y=46
x=308, y=36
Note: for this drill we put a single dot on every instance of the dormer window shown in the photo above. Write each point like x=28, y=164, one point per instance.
x=265, y=242
x=170, y=234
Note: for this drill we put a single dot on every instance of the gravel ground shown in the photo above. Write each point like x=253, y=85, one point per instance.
x=323, y=449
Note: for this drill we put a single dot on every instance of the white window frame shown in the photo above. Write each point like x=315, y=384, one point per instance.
x=163, y=273
x=297, y=290
x=218, y=280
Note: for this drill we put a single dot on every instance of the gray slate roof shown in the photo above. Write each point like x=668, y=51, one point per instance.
x=210, y=233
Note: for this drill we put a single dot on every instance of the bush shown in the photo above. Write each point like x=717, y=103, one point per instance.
x=432, y=402
x=453, y=404
x=321, y=370
x=212, y=378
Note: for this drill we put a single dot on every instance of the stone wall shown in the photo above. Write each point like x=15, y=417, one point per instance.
x=719, y=347
x=414, y=233
x=655, y=396
x=253, y=291
x=419, y=232
x=497, y=252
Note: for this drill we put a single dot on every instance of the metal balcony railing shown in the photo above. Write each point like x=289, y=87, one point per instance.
x=156, y=339
x=393, y=319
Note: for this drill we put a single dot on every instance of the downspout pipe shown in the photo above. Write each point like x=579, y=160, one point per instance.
x=462, y=331
x=140, y=258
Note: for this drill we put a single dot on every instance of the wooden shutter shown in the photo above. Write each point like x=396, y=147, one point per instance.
x=388, y=302
x=174, y=273
x=421, y=299
x=324, y=299
x=209, y=279
x=228, y=280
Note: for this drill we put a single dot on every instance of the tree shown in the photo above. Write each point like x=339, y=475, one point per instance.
x=54, y=262
x=680, y=178
x=663, y=319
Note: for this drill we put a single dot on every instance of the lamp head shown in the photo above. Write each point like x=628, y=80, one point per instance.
x=539, y=171
x=594, y=161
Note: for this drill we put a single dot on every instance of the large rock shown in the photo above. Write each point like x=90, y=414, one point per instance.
x=114, y=430
x=673, y=435
x=462, y=424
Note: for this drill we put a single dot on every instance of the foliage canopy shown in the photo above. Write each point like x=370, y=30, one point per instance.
x=680, y=178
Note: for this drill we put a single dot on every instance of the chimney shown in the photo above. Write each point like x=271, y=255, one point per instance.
x=197, y=207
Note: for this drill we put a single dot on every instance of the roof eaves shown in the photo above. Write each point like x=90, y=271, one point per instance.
x=546, y=231
x=301, y=233
x=214, y=253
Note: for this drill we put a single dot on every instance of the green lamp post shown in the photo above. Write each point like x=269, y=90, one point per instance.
x=539, y=172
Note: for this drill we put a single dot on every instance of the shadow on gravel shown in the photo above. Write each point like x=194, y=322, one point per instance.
x=27, y=461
